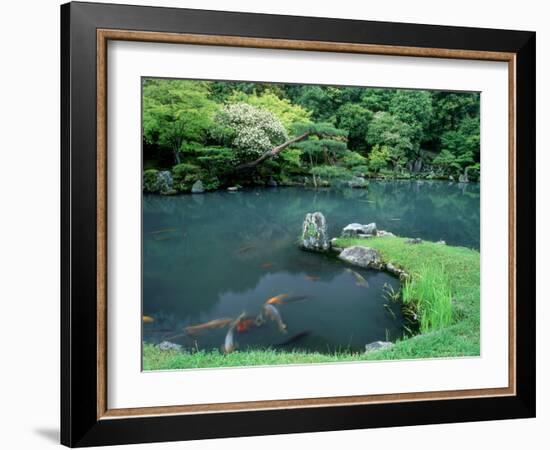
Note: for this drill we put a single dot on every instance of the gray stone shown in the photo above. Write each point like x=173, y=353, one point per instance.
x=198, y=187
x=413, y=241
x=356, y=229
x=314, y=233
x=441, y=242
x=233, y=188
x=378, y=345
x=397, y=272
x=365, y=257
x=463, y=178
x=160, y=182
x=166, y=345
x=272, y=183
x=384, y=233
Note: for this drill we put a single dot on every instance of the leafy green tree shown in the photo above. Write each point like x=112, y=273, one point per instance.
x=355, y=118
x=377, y=99
x=176, y=112
x=415, y=109
x=460, y=147
x=385, y=130
x=379, y=157
x=317, y=100
x=282, y=108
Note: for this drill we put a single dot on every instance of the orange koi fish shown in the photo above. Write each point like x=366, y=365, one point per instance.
x=278, y=299
x=244, y=324
x=147, y=319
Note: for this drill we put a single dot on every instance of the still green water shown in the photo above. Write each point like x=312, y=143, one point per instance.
x=216, y=255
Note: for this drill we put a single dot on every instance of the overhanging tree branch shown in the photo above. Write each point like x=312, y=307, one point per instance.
x=272, y=152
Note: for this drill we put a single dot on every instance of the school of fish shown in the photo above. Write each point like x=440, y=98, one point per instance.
x=268, y=312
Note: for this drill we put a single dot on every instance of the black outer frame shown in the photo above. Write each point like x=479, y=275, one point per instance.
x=79, y=423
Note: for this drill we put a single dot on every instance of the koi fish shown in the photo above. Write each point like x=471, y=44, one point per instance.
x=278, y=299
x=267, y=266
x=359, y=279
x=244, y=324
x=229, y=344
x=216, y=323
x=273, y=313
x=312, y=278
x=148, y=319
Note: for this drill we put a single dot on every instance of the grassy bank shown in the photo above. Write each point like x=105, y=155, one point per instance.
x=440, y=271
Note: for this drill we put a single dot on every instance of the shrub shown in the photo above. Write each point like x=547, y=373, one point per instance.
x=150, y=180
x=379, y=158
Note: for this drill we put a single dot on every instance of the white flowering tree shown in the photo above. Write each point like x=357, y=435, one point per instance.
x=258, y=135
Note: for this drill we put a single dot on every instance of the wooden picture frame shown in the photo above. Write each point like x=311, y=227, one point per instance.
x=85, y=416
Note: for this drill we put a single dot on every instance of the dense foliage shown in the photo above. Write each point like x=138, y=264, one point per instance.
x=296, y=134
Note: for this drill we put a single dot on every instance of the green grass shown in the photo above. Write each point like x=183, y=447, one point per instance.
x=155, y=359
x=447, y=270
x=443, y=291
x=427, y=295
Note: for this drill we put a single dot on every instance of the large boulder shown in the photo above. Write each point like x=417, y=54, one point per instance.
x=365, y=257
x=314, y=233
x=197, y=187
x=358, y=230
x=158, y=181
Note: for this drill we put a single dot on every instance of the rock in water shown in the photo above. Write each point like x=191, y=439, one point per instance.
x=365, y=257
x=378, y=345
x=314, y=233
x=358, y=230
x=198, y=187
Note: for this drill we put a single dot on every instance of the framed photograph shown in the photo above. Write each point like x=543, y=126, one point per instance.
x=277, y=224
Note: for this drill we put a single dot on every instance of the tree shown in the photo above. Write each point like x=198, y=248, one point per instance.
x=415, y=109
x=354, y=118
x=282, y=108
x=460, y=147
x=176, y=112
x=379, y=158
x=257, y=135
x=385, y=130
x=250, y=130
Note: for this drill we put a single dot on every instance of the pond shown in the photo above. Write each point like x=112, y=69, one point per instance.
x=219, y=254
